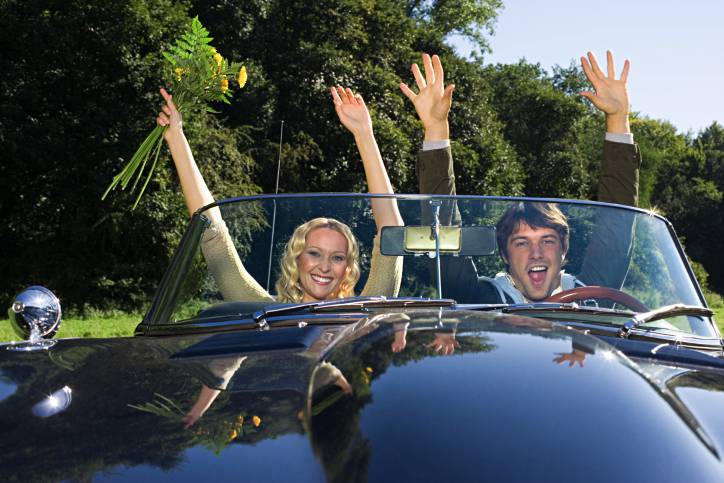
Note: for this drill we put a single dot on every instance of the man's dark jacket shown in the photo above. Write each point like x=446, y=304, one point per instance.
x=618, y=183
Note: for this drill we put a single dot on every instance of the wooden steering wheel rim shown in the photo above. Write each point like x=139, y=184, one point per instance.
x=598, y=292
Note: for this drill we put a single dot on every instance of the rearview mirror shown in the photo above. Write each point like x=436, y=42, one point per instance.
x=454, y=240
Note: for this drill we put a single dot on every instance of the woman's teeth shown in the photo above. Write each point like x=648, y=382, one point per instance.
x=321, y=280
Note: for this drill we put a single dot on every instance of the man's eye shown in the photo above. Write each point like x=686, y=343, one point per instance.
x=520, y=244
x=550, y=241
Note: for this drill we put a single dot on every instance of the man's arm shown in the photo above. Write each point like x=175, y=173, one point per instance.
x=619, y=179
x=435, y=172
x=609, y=252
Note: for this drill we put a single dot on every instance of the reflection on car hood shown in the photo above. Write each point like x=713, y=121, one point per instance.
x=336, y=402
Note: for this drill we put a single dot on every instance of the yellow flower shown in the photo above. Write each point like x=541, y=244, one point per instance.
x=256, y=420
x=178, y=71
x=241, y=78
x=233, y=436
x=213, y=50
x=368, y=369
x=224, y=85
x=217, y=59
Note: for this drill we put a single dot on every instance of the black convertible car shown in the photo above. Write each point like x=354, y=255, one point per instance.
x=618, y=375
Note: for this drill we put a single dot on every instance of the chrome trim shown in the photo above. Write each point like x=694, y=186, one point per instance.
x=419, y=197
x=660, y=313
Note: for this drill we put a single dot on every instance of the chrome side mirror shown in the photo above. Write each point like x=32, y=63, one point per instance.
x=35, y=316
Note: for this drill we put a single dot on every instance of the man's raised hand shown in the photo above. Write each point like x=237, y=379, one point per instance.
x=610, y=94
x=433, y=100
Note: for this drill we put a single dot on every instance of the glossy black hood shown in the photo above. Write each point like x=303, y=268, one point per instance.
x=394, y=397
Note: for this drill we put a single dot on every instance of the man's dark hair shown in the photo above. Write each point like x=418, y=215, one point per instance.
x=536, y=215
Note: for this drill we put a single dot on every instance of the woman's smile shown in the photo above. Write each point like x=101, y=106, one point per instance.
x=321, y=280
x=323, y=264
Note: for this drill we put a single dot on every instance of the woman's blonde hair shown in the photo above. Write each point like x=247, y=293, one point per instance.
x=289, y=288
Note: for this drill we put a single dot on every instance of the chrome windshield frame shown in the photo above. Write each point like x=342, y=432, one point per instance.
x=164, y=297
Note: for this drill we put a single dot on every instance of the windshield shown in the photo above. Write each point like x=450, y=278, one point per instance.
x=249, y=253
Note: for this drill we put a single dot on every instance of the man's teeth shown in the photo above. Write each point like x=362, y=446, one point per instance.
x=538, y=269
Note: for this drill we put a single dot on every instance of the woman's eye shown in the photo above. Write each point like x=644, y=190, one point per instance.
x=313, y=253
x=338, y=258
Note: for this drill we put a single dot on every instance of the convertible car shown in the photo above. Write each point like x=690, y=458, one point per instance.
x=617, y=376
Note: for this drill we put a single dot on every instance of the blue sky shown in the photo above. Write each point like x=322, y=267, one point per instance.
x=676, y=49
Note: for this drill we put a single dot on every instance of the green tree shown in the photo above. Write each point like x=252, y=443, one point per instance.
x=689, y=190
x=660, y=146
x=469, y=18
x=299, y=50
x=544, y=120
x=77, y=94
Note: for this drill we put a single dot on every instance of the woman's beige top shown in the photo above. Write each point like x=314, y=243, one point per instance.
x=235, y=283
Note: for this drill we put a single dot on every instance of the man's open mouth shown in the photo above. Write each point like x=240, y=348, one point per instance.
x=537, y=274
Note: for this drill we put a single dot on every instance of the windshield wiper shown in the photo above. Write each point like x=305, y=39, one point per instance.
x=354, y=303
x=381, y=302
x=661, y=313
x=547, y=307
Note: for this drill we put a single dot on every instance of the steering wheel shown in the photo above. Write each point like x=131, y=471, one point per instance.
x=598, y=292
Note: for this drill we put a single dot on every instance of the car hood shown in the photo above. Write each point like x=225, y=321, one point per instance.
x=466, y=396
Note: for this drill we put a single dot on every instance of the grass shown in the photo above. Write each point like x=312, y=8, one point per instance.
x=116, y=324
x=716, y=303
x=719, y=318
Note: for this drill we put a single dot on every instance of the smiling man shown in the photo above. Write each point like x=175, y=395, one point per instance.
x=532, y=237
x=533, y=241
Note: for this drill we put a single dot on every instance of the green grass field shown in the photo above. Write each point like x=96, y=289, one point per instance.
x=716, y=303
x=116, y=325
x=719, y=318
x=122, y=325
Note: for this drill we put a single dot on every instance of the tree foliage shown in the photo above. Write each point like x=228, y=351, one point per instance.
x=688, y=188
x=80, y=90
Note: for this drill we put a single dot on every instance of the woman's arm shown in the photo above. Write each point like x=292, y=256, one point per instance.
x=222, y=259
x=385, y=272
x=354, y=115
x=193, y=186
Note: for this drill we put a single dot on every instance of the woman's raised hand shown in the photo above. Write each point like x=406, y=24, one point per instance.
x=169, y=116
x=352, y=111
x=196, y=193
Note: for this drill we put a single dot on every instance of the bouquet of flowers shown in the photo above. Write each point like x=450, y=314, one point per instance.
x=196, y=75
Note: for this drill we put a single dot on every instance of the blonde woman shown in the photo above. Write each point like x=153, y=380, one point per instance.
x=321, y=259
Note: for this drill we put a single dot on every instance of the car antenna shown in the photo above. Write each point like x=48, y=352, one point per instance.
x=274, y=213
